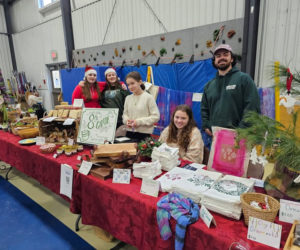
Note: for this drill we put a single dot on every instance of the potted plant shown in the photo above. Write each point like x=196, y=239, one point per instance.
x=280, y=144
x=145, y=148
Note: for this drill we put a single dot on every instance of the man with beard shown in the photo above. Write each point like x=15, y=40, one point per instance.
x=229, y=96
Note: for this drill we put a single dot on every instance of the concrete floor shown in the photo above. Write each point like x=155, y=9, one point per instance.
x=56, y=206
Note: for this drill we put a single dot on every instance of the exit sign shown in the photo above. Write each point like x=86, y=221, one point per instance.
x=53, y=55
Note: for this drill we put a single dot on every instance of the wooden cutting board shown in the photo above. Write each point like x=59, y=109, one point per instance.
x=107, y=150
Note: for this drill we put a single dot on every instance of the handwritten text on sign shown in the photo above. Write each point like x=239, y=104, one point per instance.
x=264, y=232
x=97, y=126
x=289, y=211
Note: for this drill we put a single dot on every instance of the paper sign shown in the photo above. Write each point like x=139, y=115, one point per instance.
x=206, y=216
x=197, y=97
x=40, y=140
x=68, y=121
x=121, y=176
x=258, y=182
x=289, y=211
x=66, y=180
x=97, y=126
x=85, y=167
x=78, y=103
x=78, y=158
x=297, y=180
x=49, y=119
x=70, y=141
x=150, y=187
x=264, y=232
x=122, y=139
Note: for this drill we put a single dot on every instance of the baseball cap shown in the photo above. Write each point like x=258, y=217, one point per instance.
x=223, y=46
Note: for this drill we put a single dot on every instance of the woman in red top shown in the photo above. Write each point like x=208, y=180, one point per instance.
x=91, y=90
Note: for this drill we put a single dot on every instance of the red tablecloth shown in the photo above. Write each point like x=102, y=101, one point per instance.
x=42, y=167
x=120, y=208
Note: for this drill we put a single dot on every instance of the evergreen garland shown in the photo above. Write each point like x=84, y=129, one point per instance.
x=280, y=141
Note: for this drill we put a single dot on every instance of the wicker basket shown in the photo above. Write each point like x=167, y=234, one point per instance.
x=28, y=133
x=267, y=214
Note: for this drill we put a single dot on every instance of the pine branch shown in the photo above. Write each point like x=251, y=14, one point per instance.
x=280, y=140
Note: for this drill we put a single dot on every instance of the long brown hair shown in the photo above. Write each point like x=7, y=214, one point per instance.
x=108, y=85
x=184, y=137
x=86, y=90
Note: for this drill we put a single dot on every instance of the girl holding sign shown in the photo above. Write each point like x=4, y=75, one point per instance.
x=114, y=93
x=90, y=90
x=140, y=109
x=183, y=133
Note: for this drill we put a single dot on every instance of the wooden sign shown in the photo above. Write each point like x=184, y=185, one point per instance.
x=97, y=126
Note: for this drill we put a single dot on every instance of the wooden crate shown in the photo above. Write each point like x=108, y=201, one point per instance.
x=289, y=242
x=48, y=130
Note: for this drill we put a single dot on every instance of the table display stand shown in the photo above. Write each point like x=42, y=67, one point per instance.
x=77, y=223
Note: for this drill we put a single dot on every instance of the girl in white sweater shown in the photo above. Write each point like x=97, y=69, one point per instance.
x=140, y=109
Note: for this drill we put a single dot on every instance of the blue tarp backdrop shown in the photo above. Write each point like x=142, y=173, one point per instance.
x=184, y=77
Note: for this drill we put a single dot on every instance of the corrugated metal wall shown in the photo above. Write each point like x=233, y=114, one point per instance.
x=279, y=37
x=97, y=22
x=5, y=58
x=35, y=36
x=108, y=21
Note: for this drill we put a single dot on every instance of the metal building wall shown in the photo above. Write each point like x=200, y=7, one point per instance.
x=5, y=58
x=107, y=21
x=279, y=37
x=35, y=36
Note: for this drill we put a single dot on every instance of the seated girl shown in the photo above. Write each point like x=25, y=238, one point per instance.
x=140, y=109
x=183, y=133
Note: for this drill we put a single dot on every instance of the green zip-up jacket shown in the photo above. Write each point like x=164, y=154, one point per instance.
x=114, y=98
x=226, y=99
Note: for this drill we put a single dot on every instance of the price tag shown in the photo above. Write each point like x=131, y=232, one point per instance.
x=264, y=232
x=289, y=211
x=55, y=156
x=68, y=121
x=197, y=97
x=49, y=119
x=150, y=187
x=40, y=140
x=206, y=216
x=79, y=158
x=78, y=103
x=297, y=180
x=121, y=176
x=85, y=167
x=258, y=182
x=70, y=141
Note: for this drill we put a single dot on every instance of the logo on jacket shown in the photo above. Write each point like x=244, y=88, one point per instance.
x=230, y=87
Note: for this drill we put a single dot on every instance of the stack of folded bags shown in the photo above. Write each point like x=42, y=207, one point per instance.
x=196, y=184
x=224, y=196
x=167, y=156
x=147, y=169
x=167, y=180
